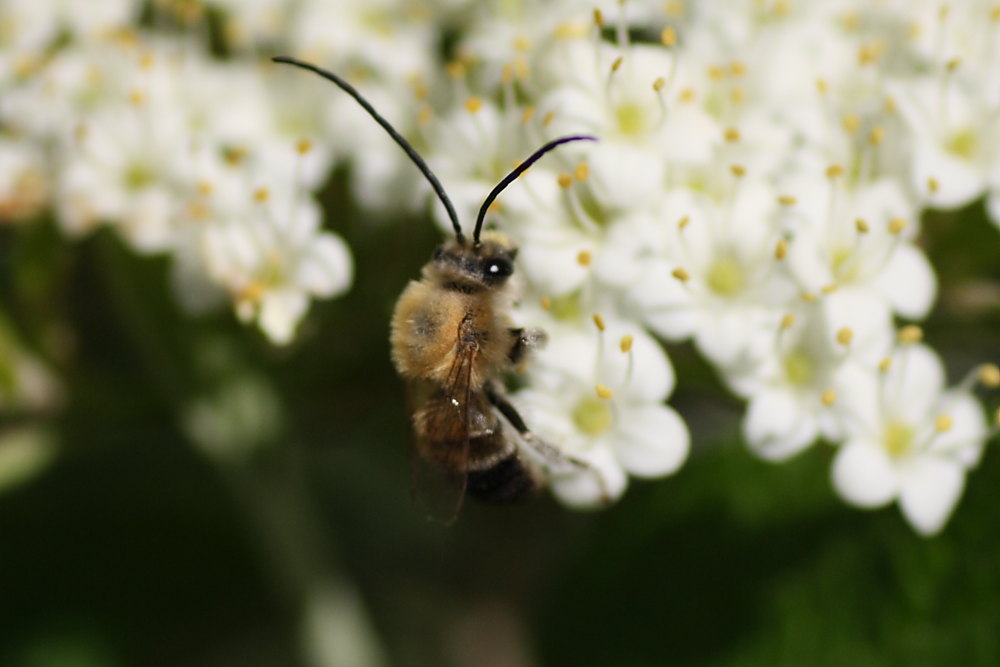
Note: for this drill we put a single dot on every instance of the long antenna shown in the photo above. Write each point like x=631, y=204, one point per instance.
x=512, y=176
x=396, y=136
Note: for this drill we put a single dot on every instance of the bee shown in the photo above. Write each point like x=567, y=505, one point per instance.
x=453, y=342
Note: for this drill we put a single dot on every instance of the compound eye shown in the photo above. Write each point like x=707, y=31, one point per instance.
x=498, y=268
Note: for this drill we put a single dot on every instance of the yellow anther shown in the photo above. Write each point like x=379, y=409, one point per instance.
x=828, y=289
x=659, y=84
x=787, y=200
x=599, y=322
x=420, y=90
x=738, y=170
x=683, y=222
x=625, y=344
x=681, y=274
x=583, y=258
x=527, y=114
x=616, y=64
x=788, y=321
x=989, y=375
x=861, y=225
x=205, y=188
x=136, y=97
x=943, y=12
x=737, y=95
x=933, y=185
x=828, y=397
x=716, y=72
x=821, y=86
x=910, y=334
x=876, y=136
x=687, y=95
x=889, y=105
x=547, y=119
x=897, y=225
x=425, y=114
x=473, y=104
x=851, y=122
x=261, y=195
x=598, y=18
x=732, y=135
x=546, y=303
x=845, y=336
x=668, y=37
x=522, y=43
x=565, y=180
x=808, y=297
x=507, y=73
x=737, y=68
x=995, y=13
x=455, y=69
x=869, y=53
x=303, y=146
x=834, y=171
x=943, y=423
x=674, y=8
x=603, y=391
x=581, y=171
x=781, y=249
x=885, y=364
x=953, y=64
x=146, y=60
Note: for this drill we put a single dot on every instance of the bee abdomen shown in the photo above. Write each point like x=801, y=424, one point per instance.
x=508, y=480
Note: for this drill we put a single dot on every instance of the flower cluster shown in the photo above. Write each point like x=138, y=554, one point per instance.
x=757, y=189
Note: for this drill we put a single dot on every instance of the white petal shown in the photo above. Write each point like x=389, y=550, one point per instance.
x=594, y=487
x=863, y=475
x=908, y=282
x=930, y=490
x=280, y=312
x=652, y=440
x=775, y=426
x=326, y=268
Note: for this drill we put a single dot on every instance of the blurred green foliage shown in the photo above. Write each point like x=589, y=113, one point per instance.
x=135, y=548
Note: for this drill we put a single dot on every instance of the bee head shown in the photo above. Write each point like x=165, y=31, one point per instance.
x=473, y=267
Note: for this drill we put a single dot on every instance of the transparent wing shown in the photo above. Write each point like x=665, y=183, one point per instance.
x=442, y=426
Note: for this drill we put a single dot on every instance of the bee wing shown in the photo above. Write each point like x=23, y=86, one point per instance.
x=442, y=424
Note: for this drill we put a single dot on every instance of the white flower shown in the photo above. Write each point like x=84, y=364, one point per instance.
x=909, y=439
x=598, y=396
x=24, y=181
x=714, y=275
x=793, y=391
x=274, y=259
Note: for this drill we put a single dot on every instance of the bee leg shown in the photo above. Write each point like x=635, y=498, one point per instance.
x=524, y=341
x=554, y=458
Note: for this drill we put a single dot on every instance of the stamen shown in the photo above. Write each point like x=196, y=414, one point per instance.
x=781, y=249
x=788, y=321
x=787, y=200
x=845, y=336
x=732, y=135
x=943, y=423
x=261, y=195
x=599, y=322
x=527, y=114
x=683, y=222
x=583, y=258
x=582, y=171
x=626, y=343
x=885, y=364
x=565, y=180
x=681, y=274
x=897, y=225
x=910, y=334
x=546, y=303
x=989, y=376
x=303, y=146
x=659, y=84
x=861, y=225
x=828, y=397
x=598, y=18
x=603, y=391
x=828, y=289
x=668, y=37
x=739, y=171
x=547, y=120
x=473, y=104
x=834, y=171
x=933, y=185
x=851, y=123
x=808, y=297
